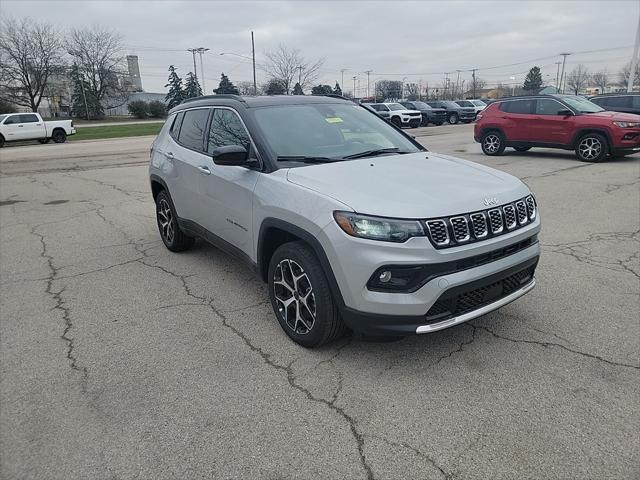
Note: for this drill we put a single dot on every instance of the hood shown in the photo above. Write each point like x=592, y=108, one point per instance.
x=619, y=116
x=418, y=185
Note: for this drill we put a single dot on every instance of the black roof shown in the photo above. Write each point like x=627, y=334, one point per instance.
x=260, y=101
x=619, y=94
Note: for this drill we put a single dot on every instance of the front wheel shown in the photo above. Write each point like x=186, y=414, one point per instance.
x=172, y=237
x=397, y=122
x=301, y=297
x=59, y=136
x=453, y=118
x=522, y=149
x=492, y=143
x=591, y=147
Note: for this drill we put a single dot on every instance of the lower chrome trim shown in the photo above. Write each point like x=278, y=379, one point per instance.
x=450, y=322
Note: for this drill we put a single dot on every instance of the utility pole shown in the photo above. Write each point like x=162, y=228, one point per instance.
x=342, y=70
x=195, y=69
x=201, y=50
x=562, y=77
x=354, y=86
x=634, y=59
x=457, y=81
x=253, y=57
x=557, y=76
x=368, y=72
x=473, y=76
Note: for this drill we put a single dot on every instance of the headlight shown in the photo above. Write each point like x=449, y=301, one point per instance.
x=627, y=124
x=376, y=228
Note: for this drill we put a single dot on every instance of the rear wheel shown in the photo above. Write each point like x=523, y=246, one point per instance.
x=59, y=136
x=492, y=143
x=592, y=147
x=173, y=238
x=453, y=118
x=522, y=149
x=301, y=297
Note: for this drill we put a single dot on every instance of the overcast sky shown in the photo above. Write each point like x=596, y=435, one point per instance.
x=395, y=39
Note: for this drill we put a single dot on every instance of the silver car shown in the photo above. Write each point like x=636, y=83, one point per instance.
x=352, y=223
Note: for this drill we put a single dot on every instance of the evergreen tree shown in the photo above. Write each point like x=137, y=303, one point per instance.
x=337, y=90
x=533, y=80
x=192, y=88
x=297, y=89
x=83, y=103
x=275, y=86
x=175, y=96
x=322, y=90
x=226, y=86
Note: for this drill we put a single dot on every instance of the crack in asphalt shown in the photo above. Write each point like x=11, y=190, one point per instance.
x=614, y=187
x=419, y=453
x=558, y=345
x=557, y=171
x=461, y=346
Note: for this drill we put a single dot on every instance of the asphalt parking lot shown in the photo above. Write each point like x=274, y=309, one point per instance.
x=121, y=360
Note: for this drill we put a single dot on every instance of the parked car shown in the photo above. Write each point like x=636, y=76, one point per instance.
x=455, y=113
x=429, y=115
x=382, y=113
x=398, y=115
x=477, y=105
x=568, y=122
x=30, y=126
x=302, y=189
x=619, y=102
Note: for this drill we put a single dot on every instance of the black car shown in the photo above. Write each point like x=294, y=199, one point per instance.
x=455, y=113
x=429, y=114
x=619, y=102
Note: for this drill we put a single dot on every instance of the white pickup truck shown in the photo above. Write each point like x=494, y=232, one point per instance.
x=30, y=126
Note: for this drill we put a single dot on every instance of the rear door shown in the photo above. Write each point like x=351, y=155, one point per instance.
x=549, y=127
x=517, y=119
x=228, y=191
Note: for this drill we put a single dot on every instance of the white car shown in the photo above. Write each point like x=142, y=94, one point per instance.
x=477, y=105
x=399, y=115
x=16, y=127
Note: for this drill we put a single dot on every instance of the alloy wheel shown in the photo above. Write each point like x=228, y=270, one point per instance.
x=165, y=220
x=294, y=296
x=590, y=148
x=491, y=143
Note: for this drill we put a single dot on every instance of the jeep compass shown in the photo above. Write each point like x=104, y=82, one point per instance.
x=350, y=222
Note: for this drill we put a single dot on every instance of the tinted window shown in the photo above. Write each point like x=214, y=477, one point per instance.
x=421, y=106
x=193, y=127
x=380, y=108
x=12, y=119
x=546, y=106
x=29, y=118
x=464, y=103
x=600, y=101
x=518, y=106
x=624, y=102
x=636, y=101
x=226, y=129
x=177, y=123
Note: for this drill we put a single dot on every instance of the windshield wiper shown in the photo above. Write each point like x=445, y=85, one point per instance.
x=372, y=153
x=305, y=159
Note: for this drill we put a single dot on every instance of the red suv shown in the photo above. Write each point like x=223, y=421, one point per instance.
x=557, y=121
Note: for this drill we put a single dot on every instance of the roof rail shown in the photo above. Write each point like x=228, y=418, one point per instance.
x=333, y=95
x=211, y=97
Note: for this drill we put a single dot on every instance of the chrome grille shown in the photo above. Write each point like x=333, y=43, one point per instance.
x=475, y=226
x=509, y=216
x=460, y=229
x=438, y=232
x=521, y=210
x=531, y=207
x=495, y=216
x=479, y=225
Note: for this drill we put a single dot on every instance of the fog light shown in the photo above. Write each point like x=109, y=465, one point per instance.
x=385, y=276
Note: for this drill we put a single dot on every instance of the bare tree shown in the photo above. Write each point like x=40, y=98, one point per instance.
x=624, y=75
x=98, y=53
x=245, y=87
x=29, y=52
x=289, y=66
x=476, y=84
x=578, y=78
x=601, y=80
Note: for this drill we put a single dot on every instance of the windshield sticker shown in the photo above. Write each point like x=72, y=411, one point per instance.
x=333, y=120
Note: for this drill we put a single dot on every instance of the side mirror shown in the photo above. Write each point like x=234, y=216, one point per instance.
x=230, y=155
x=565, y=113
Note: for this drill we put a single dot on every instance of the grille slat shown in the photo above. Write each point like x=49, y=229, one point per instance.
x=459, y=229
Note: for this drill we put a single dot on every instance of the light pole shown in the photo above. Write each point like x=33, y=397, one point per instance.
x=354, y=86
x=195, y=69
x=562, y=77
x=342, y=70
x=402, y=88
x=634, y=59
x=513, y=85
x=201, y=50
x=253, y=60
x=368, y=72
x=558, y=76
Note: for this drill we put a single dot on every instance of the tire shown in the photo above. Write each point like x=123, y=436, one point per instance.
x=172, y=237
x=59, y=136
x=1, y=141
x=592, y=147
x=522, y=149
x=453, y=118
x=439, y=124
x=295, y=274
x=44, y=140
x=492, y=143
x=396, y=121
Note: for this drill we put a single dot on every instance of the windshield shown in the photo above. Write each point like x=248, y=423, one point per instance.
x=464, y=103
x=450, y=104
x=396, y=106
x=478, y=103
x=581, y=104
x=331, y=130
x=422, y=106
x=2, y=117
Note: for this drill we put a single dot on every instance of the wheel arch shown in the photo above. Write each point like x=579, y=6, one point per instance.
x=492, y=128
x=584, y=131
x=157, y=185
x=58, y=129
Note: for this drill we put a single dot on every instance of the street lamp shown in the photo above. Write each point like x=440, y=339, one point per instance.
x=513, y=85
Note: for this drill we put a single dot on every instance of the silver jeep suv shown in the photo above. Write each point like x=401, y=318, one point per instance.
x=351, y=222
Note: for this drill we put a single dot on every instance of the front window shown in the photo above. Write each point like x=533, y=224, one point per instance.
x=328, y=131
x=396, y=106
x=581, y=104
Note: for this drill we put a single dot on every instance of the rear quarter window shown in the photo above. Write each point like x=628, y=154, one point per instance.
x=622, y=101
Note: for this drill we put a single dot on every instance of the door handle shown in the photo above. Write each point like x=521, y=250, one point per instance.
x=203, y=169
x=169, y=155
x=20, y=126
